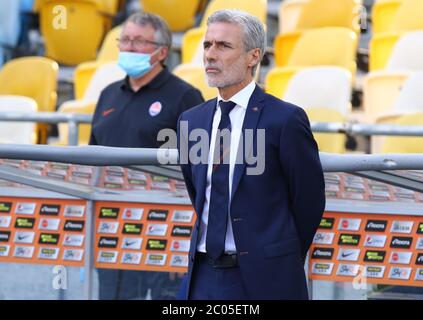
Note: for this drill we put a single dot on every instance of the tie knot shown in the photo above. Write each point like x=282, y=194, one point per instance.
x=226, y=106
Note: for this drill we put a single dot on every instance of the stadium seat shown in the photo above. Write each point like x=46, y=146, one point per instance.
x=380, y=90
x=72, y=30
x=328, y=142
x=397, y=144
x=382, y=87
x=330, y=46
x=33, y=77
x=383, y=14
x=105, y=6
x=192, y=44
x=192, y=38
x=108, y=52
x=313, y=14
x=195, y=75
x=186, y=11
x=409, y=100
x=9, y=27
x=401, y=49
x=409, y=17
x=105, y=74
x=314, y=87
x=84, y=129
x=257, y=8
x=323, y=13
x=289, y=14
x=17, y=132
x=277, y=80
x=110, y=7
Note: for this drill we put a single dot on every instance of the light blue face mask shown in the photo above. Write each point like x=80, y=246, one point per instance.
x=135, y=64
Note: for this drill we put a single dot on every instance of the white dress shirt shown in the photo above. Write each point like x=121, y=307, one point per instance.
x=237, y=116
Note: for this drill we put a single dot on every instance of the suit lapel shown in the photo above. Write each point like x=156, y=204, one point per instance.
x=201, y=169
x=252, y=116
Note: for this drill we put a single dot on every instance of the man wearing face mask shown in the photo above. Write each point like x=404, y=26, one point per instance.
x=130, y=113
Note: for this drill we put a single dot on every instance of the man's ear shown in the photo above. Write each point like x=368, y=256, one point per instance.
x=162, y=54
x=254, y=57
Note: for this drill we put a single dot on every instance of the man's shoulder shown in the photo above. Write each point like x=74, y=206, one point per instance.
x=279, y=106
x=198, y=110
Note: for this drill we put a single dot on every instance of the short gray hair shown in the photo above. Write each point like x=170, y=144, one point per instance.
x=254, y=34
x=163, y=35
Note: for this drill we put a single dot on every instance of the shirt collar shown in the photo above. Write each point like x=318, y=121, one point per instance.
x=156, y=82
x=241, y=98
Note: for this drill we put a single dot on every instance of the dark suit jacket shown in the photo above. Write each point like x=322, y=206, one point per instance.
x=275, y=214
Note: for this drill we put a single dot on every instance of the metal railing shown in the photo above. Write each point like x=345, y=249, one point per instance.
x=366, y=129
x=110, y=156
x=353, y=129
x=72, y=119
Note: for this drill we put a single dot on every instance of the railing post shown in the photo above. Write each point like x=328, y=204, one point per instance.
x=73, y=128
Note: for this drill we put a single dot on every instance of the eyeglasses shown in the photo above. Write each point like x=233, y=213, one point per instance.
x=137, y=43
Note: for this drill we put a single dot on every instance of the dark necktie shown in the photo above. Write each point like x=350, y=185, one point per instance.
x=219, y=195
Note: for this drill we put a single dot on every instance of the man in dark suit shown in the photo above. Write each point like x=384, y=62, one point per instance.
x=255, y=221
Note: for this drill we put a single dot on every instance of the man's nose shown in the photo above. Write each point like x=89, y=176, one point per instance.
x=210, y=54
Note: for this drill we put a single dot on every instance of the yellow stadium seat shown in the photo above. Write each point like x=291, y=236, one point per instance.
x=380, y=91
x=277, y=80
x=110, y=7
x=334, y=46
x=256, y=8
x=397, y=144
x=328, y=142
x=84, y=129
x=192, y=38
x=297, y=16
x=167, y=9
x=191, y=42
x=72, y=30
x=284, y=44
x=107, y=7
x=109, y=51
x=33, y=77
x=409, y=17
x=380, y=49
x=383, y=14
x=289, y=14
x=195, y=75
x=330, y=13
